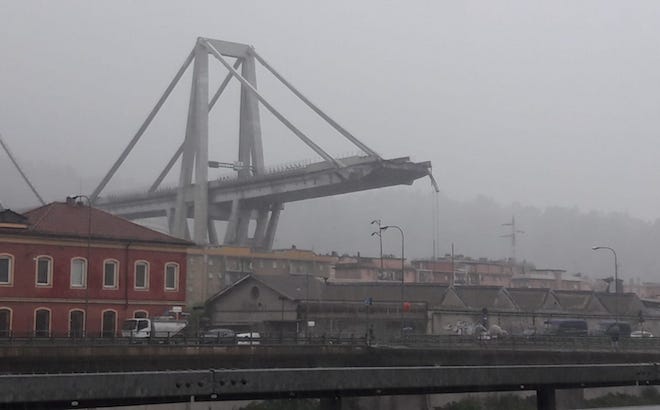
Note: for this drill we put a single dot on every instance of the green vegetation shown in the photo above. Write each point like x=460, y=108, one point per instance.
x=293, y=404
x=648, y=396
x=493, y=402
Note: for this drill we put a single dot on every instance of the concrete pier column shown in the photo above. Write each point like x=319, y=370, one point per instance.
x=545, y=398
x=331, y=403
x=272, y=225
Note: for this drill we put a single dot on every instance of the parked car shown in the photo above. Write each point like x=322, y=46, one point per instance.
x=218, y=336
x=641, y=333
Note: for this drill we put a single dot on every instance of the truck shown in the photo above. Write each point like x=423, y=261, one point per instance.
x=141, y=328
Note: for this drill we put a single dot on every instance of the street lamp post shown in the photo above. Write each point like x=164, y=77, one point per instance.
x=88, y=265
x=616, y=280
x=380, y=241
x=403, y=269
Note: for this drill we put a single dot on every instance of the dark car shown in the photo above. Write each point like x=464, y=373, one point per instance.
x=218, y=336
x=612, y=328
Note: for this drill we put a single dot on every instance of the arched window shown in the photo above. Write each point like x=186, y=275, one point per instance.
x=44, y=271
x=141, y=275
x=140, y=314
x=171, y=276
x=5, y=322
x=6, y=269
x=76, y=323
x=42, y=322
x=78, y=273
x=110, y=274
x=109, y=325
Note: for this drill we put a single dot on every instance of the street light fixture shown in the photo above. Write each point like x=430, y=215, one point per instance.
x=403, y=271
x=616, y=280
x=89, y=264
x=380, y=241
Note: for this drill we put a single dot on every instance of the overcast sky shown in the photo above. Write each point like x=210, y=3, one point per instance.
x=543, y=103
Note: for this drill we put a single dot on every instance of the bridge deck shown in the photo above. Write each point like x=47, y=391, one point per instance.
x=295, y=184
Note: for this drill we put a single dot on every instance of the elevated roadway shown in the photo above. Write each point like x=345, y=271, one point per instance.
x=115, y=388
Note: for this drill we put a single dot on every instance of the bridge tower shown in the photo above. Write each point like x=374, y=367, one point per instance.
x=192, y=194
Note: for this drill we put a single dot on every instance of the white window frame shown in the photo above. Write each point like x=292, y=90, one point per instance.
x=83, y=285
x=115, y=284
x=10, y=265
x=146, y=275
x=49, y=282
x=176, y=277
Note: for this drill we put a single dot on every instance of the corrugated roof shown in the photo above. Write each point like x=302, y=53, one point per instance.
x=247, y=252
x=300, y=287
x=528, y=299
x=623, y=303
x=385, y=291
x=72, y=220
x=571, y=300
x=9, y=216
x=479, y=296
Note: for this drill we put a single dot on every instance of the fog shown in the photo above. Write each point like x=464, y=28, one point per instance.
x=552, y=104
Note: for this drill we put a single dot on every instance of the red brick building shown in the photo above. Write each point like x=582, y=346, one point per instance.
x=67, y=269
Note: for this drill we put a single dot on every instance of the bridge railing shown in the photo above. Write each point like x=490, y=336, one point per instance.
x=509, y=342
x=108, y=338
x=578, y=343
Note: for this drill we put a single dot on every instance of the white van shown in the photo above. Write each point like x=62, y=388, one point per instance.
x=250, y=338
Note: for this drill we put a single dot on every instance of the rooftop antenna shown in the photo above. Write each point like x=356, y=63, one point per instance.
x=20, y=171
x=514, y=233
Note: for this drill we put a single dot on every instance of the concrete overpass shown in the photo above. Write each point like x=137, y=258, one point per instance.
x=52, y=375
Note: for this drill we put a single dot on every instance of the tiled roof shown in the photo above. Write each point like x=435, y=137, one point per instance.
x=76, y=220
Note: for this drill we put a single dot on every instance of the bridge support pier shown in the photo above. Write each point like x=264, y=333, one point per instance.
x=545, y=398
x=331, y=403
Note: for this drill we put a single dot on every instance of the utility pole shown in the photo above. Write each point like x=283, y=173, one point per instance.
x=452, y=280
x=514, y=233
